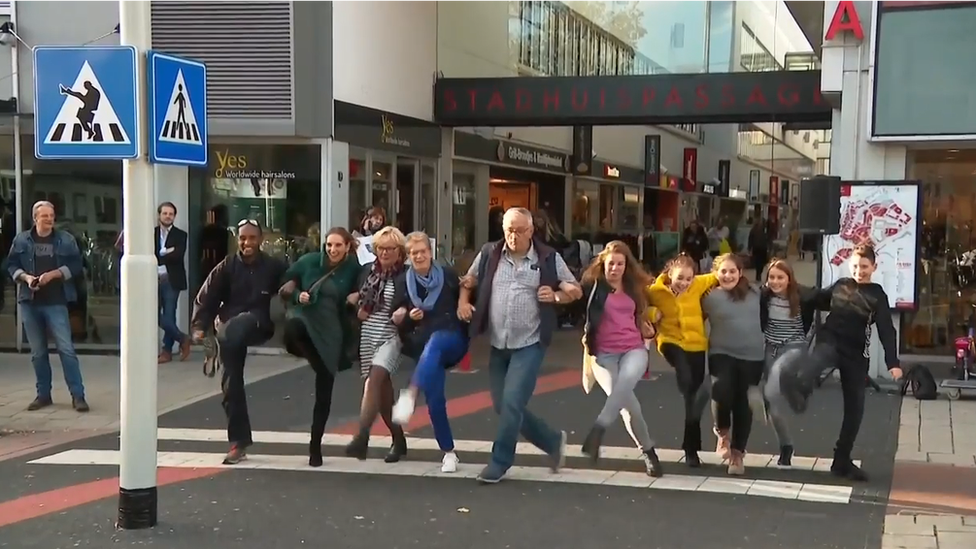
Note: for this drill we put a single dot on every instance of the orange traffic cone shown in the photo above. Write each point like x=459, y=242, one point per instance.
x=464, y=367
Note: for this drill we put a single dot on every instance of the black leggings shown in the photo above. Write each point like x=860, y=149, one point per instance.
x=730, y=395
x=299, y=343
x=689, y=369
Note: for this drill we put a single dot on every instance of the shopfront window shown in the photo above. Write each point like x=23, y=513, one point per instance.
x=357, y=190
x=947, y=285
x=382, y=187
x=87, y=198
x=277, y=185
x=586, y=208
x=428, y=199
x=8, y=230
x=629, y=209
x=465, y=214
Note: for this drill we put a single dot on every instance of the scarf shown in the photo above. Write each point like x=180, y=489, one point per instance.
x=433, y=283
x=371, y=293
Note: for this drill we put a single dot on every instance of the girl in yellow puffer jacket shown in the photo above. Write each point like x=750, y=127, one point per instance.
x=675, y=308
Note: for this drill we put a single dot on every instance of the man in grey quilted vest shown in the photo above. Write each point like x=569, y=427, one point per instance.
x=520, y=281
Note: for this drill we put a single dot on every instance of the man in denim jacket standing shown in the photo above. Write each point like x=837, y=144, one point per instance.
x=43, y=263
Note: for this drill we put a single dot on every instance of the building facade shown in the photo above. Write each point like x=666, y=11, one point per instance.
x=904, y=111
x=341, y=119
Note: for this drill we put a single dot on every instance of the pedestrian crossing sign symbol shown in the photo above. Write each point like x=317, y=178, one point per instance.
x=177, y=110
x=85, y=103
x=180, y=124
x=86, y=116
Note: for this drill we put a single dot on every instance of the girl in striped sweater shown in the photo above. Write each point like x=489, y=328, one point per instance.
x=786, y=314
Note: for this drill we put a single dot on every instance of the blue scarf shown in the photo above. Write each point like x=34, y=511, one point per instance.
x=433, y=283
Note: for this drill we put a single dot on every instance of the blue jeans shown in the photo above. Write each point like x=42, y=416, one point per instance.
x=444, y=349
x=168, y=299
x=512, y=374
x=38, y=320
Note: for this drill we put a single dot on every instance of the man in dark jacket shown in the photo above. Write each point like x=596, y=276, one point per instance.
x=170, y=251
x=520, y=281
x=236, y=301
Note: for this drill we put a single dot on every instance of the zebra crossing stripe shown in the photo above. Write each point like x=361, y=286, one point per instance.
x=181, y=131
x=79, y=135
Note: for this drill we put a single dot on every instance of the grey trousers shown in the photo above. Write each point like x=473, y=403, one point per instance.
x=777, y=408
x=618, y=375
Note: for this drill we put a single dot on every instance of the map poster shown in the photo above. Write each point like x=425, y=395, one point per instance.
x=884, y=214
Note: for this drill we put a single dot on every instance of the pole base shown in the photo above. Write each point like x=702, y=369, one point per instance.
x=137, y=508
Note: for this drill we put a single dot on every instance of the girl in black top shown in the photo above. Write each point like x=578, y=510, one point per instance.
x=855, y=305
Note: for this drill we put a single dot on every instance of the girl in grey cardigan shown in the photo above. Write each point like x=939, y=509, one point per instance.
x=736, y=348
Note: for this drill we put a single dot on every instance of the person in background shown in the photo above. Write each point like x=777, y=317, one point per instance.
x=694, y=243
x=434, y=337
x=675, y=309
x=381, y=293
x=371, y=223
x=235, y=301
x=495, y=232
x=843, y=340
x=318, y=321
x=759, y=246
x=736, y=347
x=214, y=239
x=520, y=281
x=615, y=331
x=170, y=251
x=44, y=262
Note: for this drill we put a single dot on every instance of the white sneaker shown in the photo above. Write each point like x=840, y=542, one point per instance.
x=450, y=463
x=403, y=409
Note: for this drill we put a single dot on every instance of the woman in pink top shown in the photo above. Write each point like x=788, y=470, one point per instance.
x=614, y=334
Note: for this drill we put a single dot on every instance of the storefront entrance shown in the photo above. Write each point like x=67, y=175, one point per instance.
x=404, y=187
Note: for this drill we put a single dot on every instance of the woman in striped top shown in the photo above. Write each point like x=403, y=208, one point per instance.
x=786, y=315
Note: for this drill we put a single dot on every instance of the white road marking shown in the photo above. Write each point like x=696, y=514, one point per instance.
x=818, y=493
x=817, y=464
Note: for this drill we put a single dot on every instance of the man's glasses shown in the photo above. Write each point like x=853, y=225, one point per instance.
x=250, y=222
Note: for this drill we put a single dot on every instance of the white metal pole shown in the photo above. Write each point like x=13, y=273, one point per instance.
x=137, y=440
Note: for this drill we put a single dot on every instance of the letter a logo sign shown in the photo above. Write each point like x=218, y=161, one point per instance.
x=845, y=19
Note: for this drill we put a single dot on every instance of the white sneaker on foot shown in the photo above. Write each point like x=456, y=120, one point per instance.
x=403, y=409
x=450, y=463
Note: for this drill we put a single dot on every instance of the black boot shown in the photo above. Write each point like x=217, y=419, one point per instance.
x=398, y=450
x=359, y=447
x=652, y=464
x=843, y=466
x=591, y=446
x=315, y=453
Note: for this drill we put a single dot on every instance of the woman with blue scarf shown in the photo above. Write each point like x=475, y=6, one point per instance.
x=434, y=337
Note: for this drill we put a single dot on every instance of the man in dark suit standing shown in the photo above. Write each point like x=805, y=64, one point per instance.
x=170, y=253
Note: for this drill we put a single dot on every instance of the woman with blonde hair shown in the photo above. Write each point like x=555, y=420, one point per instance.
x=380, y=299
x=614, y=334
x=432, y=335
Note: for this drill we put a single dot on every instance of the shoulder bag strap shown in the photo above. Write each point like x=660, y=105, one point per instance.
x=318, y=283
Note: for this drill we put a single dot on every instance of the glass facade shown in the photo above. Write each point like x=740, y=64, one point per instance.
x=946, y=279
x=278, y=185
x=9, y=216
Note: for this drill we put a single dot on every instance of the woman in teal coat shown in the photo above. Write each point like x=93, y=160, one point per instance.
x=318, y=326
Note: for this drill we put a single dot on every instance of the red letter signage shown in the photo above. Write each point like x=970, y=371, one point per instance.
x=845, y=19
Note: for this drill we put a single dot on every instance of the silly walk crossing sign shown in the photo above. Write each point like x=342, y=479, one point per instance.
x=85, y=102
x=177, y=110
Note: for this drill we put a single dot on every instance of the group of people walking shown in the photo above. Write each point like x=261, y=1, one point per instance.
x=404, y=304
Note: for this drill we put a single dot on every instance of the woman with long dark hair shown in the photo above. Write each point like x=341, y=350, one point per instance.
x=432, y=335
x=614, y=334
x=736, y=349
x=318, y=325
x=382, y=294
x=675, y=308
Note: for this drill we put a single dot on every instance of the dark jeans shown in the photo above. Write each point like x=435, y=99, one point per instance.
x=38, y=321
x=298, y=339
x=730, y=395
x=512, y=375
x=759, y=259
x=169, y=297
x=233, y=338
x=689, y=369
x=853, y=368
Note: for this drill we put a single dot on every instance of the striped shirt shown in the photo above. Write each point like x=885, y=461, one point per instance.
x=377, y=329
x=782, y=327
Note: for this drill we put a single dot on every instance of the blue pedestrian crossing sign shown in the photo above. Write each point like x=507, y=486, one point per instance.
x=177, y=110
x=85, y=103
